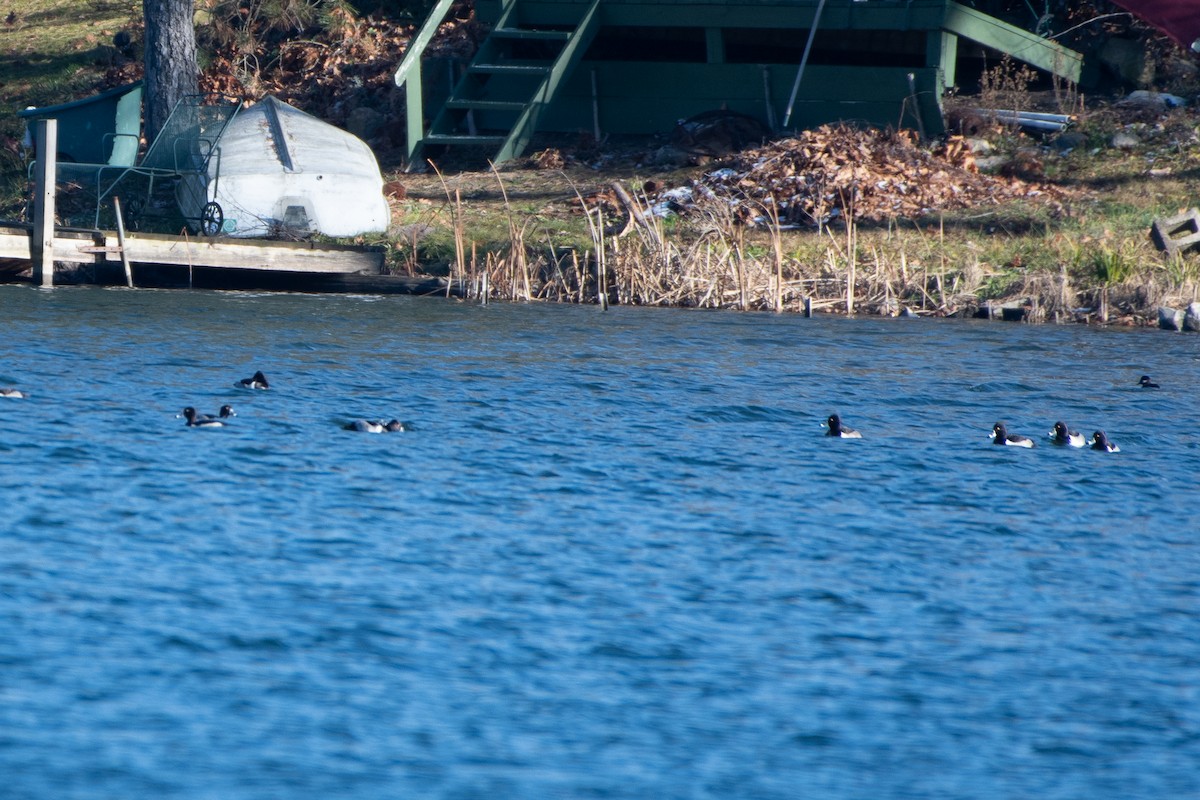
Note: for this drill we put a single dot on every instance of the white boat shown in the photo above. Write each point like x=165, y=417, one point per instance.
x=281, y=172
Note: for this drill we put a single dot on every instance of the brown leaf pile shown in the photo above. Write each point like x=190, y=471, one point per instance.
x=867, y=174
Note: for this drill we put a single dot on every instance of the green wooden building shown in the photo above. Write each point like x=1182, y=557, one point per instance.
x=639, y=66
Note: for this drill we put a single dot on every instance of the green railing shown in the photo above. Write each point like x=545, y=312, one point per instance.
x=408, y=76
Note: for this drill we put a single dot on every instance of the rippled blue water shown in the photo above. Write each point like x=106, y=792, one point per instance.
x=616, y=558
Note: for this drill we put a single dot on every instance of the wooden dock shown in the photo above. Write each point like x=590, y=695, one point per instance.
x=185, y=261
x=49, y=255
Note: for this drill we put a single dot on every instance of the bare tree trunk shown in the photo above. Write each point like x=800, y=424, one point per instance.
x=171, y=71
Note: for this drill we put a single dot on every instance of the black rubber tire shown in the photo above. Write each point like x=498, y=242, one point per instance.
x=212, y=219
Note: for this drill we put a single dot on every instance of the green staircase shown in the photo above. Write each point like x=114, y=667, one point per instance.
x=512, y=79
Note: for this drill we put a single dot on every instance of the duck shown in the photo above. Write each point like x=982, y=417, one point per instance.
x=1146, y=383
x=16, y=394
x=195, y=420
x=1101, y=442
x=1000, y=435
x=258, y=381
x=375, y=426
x=225, y=412
x=836, y=428
x=1064, y=436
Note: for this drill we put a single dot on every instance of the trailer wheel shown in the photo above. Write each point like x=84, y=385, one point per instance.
x=212, y=219
x=133, y=214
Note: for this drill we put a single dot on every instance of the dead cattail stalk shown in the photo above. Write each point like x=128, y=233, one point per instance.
x=456, y=217
x=772, y=212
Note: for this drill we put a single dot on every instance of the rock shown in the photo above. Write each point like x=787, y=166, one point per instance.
x=1123, y=140
x=1191, y=318
x=991, y=163
x=365, y=123
x=1126, y=59
x=1025, y=165
x=1159, y=99
x=979, y=146
x=667, y=156
x=1170, y=319
x=1066, y=142
x=1181, y=71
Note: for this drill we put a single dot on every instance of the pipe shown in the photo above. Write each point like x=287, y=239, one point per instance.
x=812, y=34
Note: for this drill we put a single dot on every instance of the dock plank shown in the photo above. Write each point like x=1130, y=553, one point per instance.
x=269, y=256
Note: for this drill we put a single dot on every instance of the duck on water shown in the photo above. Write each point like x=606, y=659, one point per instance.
x=195, y=420
x=256, y=381
x=1000, y=435
x=836, y=428
x=1100, y=442
x=375, y=426
x=1062, y=435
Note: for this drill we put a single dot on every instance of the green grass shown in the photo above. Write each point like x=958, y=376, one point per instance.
x=56, y=50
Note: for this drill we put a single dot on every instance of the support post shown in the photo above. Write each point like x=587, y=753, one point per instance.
x=595, y=109
x=941, y=52
x=41, y=246
x=714, y=45
x=414, y=112
x=121, y=241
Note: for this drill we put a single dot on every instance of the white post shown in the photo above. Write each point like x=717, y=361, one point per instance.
x=41, y=249
x=121, y=241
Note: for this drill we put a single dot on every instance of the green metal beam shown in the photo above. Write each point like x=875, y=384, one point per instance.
x=1016, y=42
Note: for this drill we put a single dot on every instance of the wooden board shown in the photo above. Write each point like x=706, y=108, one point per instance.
x=83, y=248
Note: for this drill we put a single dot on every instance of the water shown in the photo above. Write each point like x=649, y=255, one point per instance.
x=616, y=558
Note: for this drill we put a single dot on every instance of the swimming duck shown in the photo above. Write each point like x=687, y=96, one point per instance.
x=1146, y=383
x=16, y=394
x=1101, y=442
x=837, y=429
x=224, y=413
x=259, y=381
x=375, y=426
x=195, y=420
x=1062, y=435
x=1000, y=435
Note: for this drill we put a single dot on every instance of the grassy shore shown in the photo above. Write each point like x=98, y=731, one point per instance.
x=576, y=224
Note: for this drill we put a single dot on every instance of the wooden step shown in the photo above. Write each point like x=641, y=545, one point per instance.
x=510, y=69
x=486, y=105
x=529, y=34
x=463, y=139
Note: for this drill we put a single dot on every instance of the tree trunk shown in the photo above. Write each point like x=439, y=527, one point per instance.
x=171, y=71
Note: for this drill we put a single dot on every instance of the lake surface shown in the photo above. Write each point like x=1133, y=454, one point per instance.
x=615, y=558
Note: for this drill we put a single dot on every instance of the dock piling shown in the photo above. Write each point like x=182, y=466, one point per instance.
x=121, y=241
x=42, y=241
